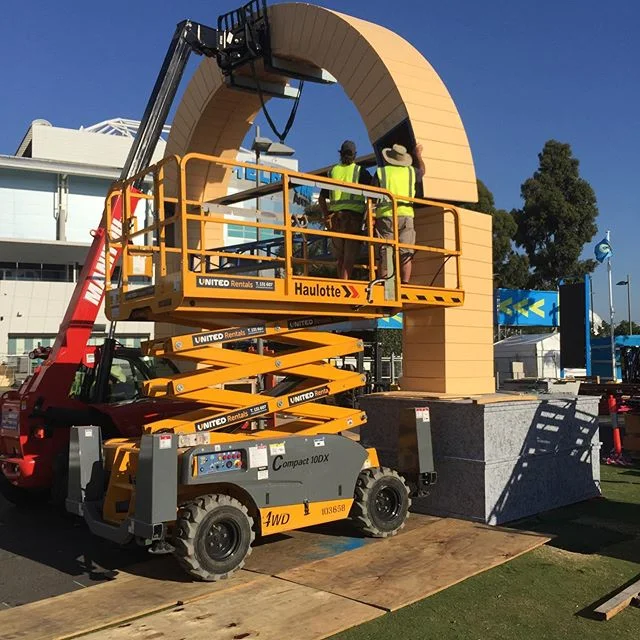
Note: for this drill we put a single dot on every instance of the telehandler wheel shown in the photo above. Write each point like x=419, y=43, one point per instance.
x=382, y=502
x=213, y=536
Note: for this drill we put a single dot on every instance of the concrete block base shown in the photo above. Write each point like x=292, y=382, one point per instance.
x=497, y=462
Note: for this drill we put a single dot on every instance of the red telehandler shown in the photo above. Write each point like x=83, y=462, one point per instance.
x=66, y=389
x=81, y=385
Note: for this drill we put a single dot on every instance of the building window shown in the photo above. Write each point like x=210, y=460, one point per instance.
x=33, y=271
x=248, y=234
x=22, y=344
x=115, y=278
x=133, y=341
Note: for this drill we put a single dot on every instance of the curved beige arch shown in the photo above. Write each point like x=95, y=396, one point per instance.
x=386, y=78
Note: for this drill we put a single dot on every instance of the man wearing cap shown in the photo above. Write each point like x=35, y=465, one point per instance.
x=399, y=176
x=345, y=211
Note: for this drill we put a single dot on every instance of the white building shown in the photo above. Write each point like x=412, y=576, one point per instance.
x=270, y=206
x=51, y=197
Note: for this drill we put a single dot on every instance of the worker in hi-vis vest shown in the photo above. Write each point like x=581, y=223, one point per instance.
x=400, y=175
x=345, y=211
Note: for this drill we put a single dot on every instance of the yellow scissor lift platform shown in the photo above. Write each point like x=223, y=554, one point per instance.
x=236, y=464
x=227, y=293
x=192, y=284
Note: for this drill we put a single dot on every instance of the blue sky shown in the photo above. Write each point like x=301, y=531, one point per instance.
x=521, y=72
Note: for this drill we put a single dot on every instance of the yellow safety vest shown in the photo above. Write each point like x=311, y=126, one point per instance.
x=341, y=200
x=401, y=181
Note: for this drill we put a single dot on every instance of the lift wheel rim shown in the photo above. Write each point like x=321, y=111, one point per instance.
x=222, y=540
x=387, y=503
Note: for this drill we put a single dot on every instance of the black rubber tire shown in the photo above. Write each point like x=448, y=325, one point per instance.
x=381, y=505
x=195, y=538
x=21, y=497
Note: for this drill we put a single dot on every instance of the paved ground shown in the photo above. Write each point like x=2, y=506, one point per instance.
x=45, y=553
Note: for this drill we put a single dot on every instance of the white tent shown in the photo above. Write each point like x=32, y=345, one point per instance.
x=539, y=353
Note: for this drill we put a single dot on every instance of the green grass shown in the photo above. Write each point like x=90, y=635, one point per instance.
x=548, y=593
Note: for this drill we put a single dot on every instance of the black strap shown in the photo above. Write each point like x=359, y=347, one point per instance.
x=294, y=109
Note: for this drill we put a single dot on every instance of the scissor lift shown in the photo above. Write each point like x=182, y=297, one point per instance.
x=205, y=482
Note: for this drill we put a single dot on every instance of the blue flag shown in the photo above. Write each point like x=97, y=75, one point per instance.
x=603, y=250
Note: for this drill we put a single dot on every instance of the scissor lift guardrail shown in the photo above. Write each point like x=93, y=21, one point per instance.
x=187, y=281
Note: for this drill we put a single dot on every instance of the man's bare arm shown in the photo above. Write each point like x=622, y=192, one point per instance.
x=417, y=156
x=322, y=203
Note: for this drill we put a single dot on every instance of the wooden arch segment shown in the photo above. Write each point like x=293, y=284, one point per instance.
x=387, y=79
x=389, y=83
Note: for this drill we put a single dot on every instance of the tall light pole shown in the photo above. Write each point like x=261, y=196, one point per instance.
x=265, y=146
x=627, y=282
x=614, y=372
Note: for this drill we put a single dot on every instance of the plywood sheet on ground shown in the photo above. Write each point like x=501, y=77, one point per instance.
x=398, y=571
x=343, y=579
x=269, y=609
x=277, y=554
x=159, y=585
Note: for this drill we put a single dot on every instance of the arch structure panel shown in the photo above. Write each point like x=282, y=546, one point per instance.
x=397, y=93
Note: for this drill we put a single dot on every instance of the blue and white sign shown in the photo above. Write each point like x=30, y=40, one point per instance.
x=302, y=194
x=266, y=177
x=393, y=322
x=527, y=308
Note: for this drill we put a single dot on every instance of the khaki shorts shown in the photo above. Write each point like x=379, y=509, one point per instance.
x=406, y=231
x=346, y=222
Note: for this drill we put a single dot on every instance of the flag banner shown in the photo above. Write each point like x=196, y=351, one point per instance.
x=603, y=250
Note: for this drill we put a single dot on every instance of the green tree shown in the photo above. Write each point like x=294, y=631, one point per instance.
x=558, y=218
x=486, y=202
x=510, y=268
x=622, y=328
x=390, y=341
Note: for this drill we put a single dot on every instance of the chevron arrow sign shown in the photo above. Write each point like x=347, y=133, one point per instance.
x=527, y=307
